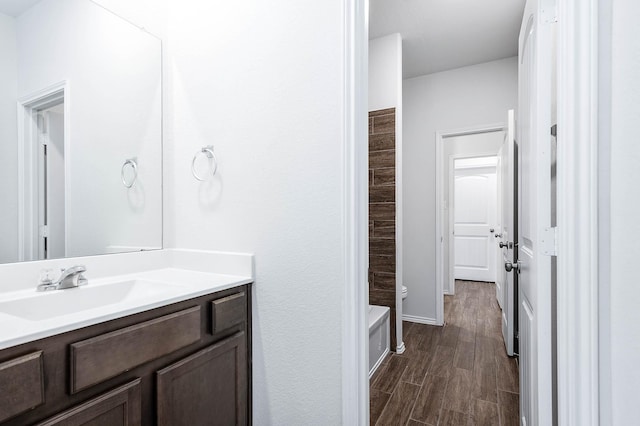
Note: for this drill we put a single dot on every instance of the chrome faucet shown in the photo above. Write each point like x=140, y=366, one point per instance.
x=69, y=278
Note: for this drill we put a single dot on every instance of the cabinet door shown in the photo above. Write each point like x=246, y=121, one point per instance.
x=120, y=406
x=206, y=388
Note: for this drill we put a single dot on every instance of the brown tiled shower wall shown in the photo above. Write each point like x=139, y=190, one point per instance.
x=382, y=212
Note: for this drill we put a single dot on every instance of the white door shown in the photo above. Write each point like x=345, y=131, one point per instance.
x=474, y=219
x=535, y=239
x=51, y=183
x=508, y=234
x=55, y=182
x=500, y=277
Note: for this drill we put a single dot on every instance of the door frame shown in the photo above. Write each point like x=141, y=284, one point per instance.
x=441, y=136
x=355, y=178
x=578, y=350
x=27, y=109
x=581, y=230
x=451, y=211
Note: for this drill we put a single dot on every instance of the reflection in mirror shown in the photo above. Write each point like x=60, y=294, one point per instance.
x=80, y=132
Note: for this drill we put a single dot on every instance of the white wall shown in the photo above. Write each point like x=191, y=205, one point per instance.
x=148, y=14
x=114, y=73
x=385, y=72
x=263, y=83
x=8, y=137
x=621, y=332
x=461, y=98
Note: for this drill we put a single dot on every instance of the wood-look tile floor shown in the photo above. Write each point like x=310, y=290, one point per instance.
x=458, y=374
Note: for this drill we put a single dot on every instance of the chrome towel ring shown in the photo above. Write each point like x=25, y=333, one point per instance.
x=132, y=162
x=208, y=151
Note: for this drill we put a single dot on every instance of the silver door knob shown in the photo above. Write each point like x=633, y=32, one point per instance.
x=508, y=266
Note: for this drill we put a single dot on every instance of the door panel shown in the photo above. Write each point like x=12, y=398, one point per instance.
x=474, y=218
x=527, y=399
x=534, y=282
x=55, y=170
x=500, y=276
x=508, y=254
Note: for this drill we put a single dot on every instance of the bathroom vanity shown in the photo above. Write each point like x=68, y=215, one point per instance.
x=172, y=365
x=171, y=346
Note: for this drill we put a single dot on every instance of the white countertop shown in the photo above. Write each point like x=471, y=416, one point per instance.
x=27, y=315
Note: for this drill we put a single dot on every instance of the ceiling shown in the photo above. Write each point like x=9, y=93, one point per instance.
x=440, y=35
x=15, y=7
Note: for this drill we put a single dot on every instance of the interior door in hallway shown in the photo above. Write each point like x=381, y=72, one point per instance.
x=475, y=202
x=508, y=235
x=535, y=236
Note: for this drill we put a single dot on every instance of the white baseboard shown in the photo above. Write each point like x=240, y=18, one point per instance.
x=378, y=362
x=420, y=320
x=400, y=348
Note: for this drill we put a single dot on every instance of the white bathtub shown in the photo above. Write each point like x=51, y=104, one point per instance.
x=378, y=336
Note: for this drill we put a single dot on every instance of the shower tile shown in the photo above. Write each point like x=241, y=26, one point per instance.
x=382, y=159
x=383, y=247
x=382, y=211
x=385, y=111
x=384, y=123
x=382, y=194
x=382, y=142
x=383, y=177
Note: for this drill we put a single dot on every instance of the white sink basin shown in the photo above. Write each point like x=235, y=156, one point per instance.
x=56, y=303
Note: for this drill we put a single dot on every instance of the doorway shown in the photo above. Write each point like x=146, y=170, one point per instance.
x=42, y=174
x=475, y=150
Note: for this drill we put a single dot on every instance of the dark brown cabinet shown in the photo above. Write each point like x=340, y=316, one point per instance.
x=206, y=388
x=188, y=363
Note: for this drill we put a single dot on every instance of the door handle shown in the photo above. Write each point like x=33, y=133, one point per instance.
x=505, y=245
x=508, y=266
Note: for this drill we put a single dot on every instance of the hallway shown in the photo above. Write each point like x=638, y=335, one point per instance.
x=453, y=375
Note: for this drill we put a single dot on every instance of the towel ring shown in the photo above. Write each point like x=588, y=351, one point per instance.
x=208, y=151
x=134, y=165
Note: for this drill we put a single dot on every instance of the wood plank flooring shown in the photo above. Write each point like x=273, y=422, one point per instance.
x=458, y=374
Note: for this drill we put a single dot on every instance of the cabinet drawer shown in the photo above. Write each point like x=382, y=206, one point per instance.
x=228, y=311
x=119, y=407
x=100, y=358
x=21, y=385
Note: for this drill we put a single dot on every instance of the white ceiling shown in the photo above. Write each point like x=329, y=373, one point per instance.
x=440, y=35
x=15, y=7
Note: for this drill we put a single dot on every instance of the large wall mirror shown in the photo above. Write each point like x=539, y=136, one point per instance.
x=80, y=132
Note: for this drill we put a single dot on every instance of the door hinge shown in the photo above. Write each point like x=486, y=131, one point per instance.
x=550, y=11
x=548, y=241
x=44, y=231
